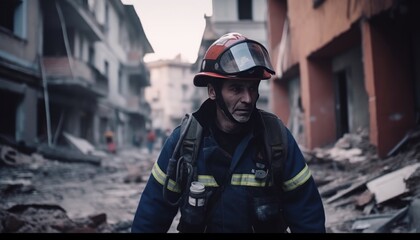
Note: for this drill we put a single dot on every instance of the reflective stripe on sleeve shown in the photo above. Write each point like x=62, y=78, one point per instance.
x=298, y=180
x=160, y=176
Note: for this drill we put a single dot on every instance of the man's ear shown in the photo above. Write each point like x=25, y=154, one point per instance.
x=211, y=91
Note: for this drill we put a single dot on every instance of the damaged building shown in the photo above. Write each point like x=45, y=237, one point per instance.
x=72, y=67
x=350, y=69
x=346, y=67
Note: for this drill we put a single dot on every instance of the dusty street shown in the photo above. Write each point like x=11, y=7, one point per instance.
x=82, y=189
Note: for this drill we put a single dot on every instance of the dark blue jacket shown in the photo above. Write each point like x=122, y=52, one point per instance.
x=302, y=205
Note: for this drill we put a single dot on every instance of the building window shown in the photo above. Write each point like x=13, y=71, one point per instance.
x=12, y=17
x=184, y=88
x=317, y=3
x=81, y=45
x=91, y=57
x=106, y=69
x=245, y=9
x=106, y=16
x=120, y=82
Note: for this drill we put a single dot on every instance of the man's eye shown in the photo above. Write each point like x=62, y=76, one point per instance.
x=236, y=89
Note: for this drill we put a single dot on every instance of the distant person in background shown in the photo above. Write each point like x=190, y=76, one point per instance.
x=109, y=138
x=151, y=139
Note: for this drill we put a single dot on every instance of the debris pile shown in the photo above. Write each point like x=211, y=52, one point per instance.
x=37, y=218
x=373, y=194
x=63, y=190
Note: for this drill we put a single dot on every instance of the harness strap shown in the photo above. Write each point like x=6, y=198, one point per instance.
x=180, y=166
x=275, y=144
x=191, y=142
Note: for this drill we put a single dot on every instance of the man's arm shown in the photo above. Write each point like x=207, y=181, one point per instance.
x=154, y=213
x=303, y=207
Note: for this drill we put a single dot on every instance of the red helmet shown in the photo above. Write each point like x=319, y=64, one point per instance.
x=233, y=56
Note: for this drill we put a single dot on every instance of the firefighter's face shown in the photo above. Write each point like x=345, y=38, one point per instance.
x=240, y=98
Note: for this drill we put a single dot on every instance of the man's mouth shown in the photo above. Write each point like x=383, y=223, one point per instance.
x=242, y=111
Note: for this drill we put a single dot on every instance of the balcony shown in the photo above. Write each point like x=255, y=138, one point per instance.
x=139, y=74
x=137, y=105
x=75, y=15
x=71, y=75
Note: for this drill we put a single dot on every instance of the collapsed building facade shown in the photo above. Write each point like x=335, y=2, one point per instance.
x=72, y=67
x=344, y=67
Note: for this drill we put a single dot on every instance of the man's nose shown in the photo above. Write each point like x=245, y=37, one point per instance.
x=247, y=96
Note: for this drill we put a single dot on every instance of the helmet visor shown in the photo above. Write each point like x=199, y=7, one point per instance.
x=244, y=56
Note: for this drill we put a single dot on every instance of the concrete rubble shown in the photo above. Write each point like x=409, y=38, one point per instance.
x=70, y=194
x=367, y=194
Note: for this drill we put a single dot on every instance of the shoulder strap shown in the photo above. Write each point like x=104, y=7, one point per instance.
x=191, y=141
x=275, y=144
x=182, y=161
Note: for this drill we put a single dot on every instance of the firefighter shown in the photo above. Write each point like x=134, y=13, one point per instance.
x=232, y=186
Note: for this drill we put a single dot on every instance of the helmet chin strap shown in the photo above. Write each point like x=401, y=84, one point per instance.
x=221, y=103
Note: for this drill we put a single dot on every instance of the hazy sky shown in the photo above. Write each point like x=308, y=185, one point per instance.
x=173, y=26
